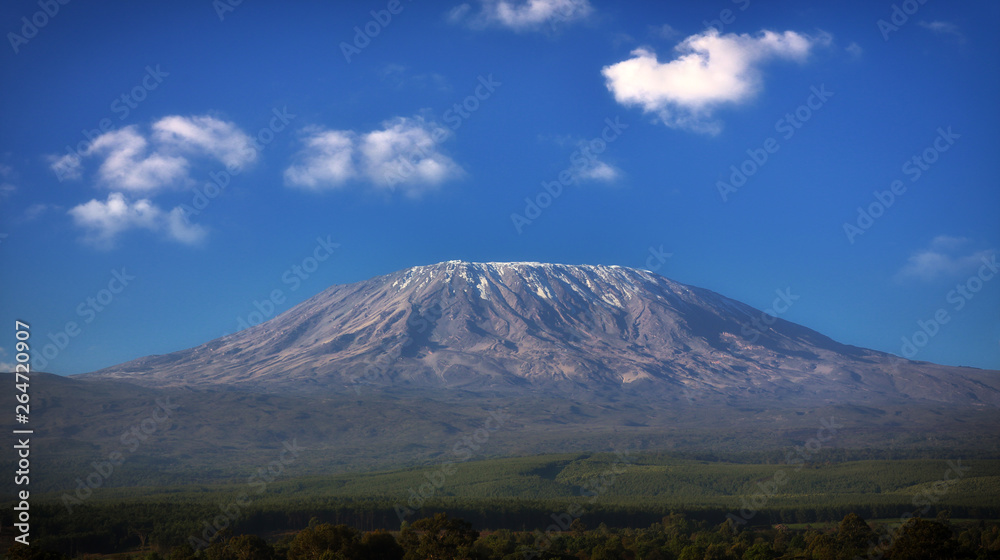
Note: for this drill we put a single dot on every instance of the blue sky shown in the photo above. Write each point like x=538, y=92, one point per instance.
x=168, y=167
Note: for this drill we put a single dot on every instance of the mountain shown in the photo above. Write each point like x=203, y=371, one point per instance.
x=400, y=370
x=512, y=328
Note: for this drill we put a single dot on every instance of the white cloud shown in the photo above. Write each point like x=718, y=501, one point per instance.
x=138, y=162
x=67, y=166
x=399, y=76
x=36, y=210
x=7, y=187
x=6, y=367
x=854, y=49
x=105, y=221
x=327, y=160
x=178, y=227
x=128, y=164
x=943, y=258
x=459, y=13
x=943, y=28
x=222, y=140
x=403, y=154
x=665, y=31
x=131, y=161
x=523, y=15
x=710, y=71
x=599, y=171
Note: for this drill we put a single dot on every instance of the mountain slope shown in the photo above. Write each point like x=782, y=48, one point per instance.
x=502, y=327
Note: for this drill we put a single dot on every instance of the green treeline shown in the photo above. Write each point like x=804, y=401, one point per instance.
x=518, y=494
x=674, y=537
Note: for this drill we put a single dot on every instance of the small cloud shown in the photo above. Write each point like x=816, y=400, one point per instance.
x=854, y=49
x=458, y=13
x=206, y=135
x=132, y=161
x=711, y=71
x=105, y=221
x=665, y=31
x=948, y=243
x=620, y=39
x=67, y=166
x=585, y=165
x=404, y=154
x=599, y=171
x=392, y=72
x=6, y=367
x=524, y=15
x=945, y=257
x=943, y=28
x=398, y=76
x=36, y=210
x=326, y=161
x=7, y=179
x=129, y=165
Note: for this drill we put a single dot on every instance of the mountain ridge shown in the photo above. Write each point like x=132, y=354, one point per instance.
x=567, y=328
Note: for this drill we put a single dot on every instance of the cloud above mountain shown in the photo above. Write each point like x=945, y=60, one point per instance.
x=529, y=15
x=131, y=161
x=710, y=71
x=404, y=154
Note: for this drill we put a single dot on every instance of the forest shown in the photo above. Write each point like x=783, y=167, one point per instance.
x=628, y=505
x=674, y=537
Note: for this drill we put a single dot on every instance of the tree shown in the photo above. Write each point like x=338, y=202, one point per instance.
x=760, y=551
x=438, y=538
x=920, y=539
x=32, y=552
x=853, y=537
x=381, y=545
x=250, y=547
x=243, y=547
x=313, y=543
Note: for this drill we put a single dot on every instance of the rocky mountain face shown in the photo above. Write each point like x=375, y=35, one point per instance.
x=510, y=328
